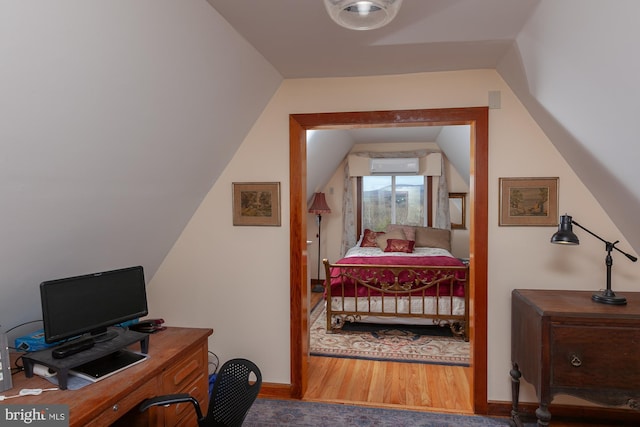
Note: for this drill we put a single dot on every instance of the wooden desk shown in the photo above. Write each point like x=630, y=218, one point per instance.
x=562, y=342
x=178, y=363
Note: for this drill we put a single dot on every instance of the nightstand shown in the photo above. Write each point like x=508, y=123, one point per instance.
x=562, y=342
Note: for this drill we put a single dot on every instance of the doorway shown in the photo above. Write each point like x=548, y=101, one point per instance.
x=477, y=118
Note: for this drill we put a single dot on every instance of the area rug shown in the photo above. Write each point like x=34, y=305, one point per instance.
x=394, y=343
x=273, y=412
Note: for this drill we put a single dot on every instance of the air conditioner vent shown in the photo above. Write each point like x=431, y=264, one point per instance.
x=394, y=166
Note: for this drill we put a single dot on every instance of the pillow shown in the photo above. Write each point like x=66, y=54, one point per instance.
x=409, y=230
x=433, y=238
x=397, y=245
x=369, y=238
x=381, y=240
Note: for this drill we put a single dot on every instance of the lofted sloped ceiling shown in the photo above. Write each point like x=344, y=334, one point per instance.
x=327, y=148
x=571, y=63
x=300, y=40
x=116, y=118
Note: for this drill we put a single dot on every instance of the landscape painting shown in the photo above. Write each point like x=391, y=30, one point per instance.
x=529, y=201
x=256, y=203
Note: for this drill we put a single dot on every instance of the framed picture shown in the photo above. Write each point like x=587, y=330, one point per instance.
x=457, y=210
x=256, y=203
x=529, y=201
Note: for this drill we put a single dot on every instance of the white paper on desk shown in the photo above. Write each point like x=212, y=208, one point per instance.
x=73, y=382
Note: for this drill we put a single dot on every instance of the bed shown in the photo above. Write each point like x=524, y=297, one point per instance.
x=399, y=277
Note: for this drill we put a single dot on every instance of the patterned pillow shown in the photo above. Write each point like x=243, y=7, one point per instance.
x=369, y=238
x=381, y=240
x=397, y=245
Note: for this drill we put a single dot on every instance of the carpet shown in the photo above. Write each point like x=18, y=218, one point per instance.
x=395, y=343
x=272, y=412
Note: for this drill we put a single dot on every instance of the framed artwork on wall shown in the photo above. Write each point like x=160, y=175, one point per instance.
x=256, y=203
x=529, y=202
x=457, y=210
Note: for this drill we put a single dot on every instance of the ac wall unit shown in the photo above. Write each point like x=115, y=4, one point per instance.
x=394, y=166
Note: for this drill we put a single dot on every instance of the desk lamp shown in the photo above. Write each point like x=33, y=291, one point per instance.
x=565, y=236
x=318, y=207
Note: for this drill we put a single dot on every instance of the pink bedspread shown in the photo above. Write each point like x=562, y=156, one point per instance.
x=339, y=283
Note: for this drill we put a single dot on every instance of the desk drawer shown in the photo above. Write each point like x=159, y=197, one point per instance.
x=188, y=375
x=183, y=414
x=185, y=371
x=126, y=404
x=595, y=357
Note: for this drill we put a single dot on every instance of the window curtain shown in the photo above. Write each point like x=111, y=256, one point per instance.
x=349, y=237
x=443, y=219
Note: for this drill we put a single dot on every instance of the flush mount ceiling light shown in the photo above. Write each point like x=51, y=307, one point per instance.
x=362, y=14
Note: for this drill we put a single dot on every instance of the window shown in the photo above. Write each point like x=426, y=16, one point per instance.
x=393, y=200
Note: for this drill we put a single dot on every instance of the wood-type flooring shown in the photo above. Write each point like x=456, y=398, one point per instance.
x=396, y=385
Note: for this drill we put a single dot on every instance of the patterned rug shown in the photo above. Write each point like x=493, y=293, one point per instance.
x=271, y=412
x=387, y=342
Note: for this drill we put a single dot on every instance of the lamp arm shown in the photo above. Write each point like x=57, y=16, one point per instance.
x=609, y=244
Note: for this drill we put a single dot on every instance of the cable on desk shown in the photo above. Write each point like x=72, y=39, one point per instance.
x=213, y=363
x=18, y=368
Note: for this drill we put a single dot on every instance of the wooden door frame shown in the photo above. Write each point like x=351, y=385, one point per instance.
x=478, y=120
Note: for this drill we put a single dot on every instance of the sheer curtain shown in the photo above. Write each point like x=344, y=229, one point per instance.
x=443, y=219
x=349, y=237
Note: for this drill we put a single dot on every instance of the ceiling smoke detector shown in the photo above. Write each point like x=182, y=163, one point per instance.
x=362, y=14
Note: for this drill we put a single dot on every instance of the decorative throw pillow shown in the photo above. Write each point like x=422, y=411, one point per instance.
x=369, y=238
x=381, y=240
x=397, y=245
x=409, y=230
x=433, y=238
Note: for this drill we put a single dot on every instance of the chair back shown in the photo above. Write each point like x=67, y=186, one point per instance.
x=234, y=391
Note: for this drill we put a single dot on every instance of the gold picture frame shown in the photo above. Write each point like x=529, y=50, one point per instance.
x=256, y=203
x=529, y=202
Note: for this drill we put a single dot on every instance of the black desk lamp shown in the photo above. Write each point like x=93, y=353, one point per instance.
x=318, y=207
x=565, y=235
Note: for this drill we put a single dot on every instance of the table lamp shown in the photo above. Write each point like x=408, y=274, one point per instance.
x=565, y=236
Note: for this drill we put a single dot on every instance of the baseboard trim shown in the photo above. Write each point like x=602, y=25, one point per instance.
x=276, y=391
x=569, y=413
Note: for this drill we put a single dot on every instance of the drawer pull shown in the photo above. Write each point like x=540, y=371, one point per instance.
x=575, y=361
x=115, y=408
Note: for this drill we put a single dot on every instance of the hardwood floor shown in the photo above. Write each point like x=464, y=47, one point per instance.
x=390, y=384
x=414, y=386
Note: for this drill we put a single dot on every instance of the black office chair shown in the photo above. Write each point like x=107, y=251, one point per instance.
x=232, y=395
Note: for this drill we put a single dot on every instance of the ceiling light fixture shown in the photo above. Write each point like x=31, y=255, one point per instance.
x=362, y=14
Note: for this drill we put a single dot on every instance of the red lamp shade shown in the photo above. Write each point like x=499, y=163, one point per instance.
x=319, y=205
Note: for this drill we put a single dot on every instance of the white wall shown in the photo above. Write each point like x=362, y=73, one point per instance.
x=236, y=279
